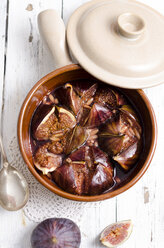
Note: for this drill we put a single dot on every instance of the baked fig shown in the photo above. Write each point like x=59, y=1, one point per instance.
x=109, y=96
x=105, y=96
x=115, y=136
x=73, y=99
x=129, y=157
x=45, y=160
x=116, y=233
x=75, y=138
x=52, y=120
x=98, y=115
x=56, y=233
x=87, y=171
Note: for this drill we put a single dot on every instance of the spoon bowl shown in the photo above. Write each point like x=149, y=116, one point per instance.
x=14, y=190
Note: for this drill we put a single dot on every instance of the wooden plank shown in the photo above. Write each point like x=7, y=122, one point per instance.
x=3, y=40
x=26, y=62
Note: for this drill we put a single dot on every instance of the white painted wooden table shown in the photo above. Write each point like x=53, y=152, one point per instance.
x=23, y=61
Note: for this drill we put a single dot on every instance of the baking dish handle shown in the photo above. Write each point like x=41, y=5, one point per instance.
x=52, y=30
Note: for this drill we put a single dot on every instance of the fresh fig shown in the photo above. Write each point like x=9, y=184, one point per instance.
x=87, y=171
x=116, y=233
x=56, y=233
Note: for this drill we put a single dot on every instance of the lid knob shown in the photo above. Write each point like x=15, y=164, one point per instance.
x=130, y=25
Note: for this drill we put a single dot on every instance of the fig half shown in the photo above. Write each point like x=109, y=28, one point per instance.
x=46, y=160
x=116, y=233
x=52, y=120
x=56, y=233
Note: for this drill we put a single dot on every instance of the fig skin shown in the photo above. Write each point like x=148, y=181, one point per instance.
x=56, y=233
x=87, y=171
x=116, y=233
x=121, y=137
x=98, y=115
x=75, y=138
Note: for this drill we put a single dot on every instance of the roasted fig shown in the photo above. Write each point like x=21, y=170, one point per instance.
x=98, y=115
x=121, y=137
x=47, y=161
x=87, y=171
x=129, y=157
x=55, y=119
x=74, y=101
x=56, y=233
x=116, y=233
x=114, y=136
x=106, y=95
x=80, y=131
x=75, y=138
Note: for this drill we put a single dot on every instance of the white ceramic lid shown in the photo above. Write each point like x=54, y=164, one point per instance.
x=119, y=42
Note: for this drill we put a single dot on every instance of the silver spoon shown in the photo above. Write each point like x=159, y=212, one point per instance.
x=14, y=191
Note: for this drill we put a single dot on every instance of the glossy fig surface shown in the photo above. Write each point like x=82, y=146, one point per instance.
x=85, y=136
x=116, y=233
x=56, y=233
x=87, y=171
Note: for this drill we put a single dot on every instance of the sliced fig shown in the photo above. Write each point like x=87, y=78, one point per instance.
x=121, y=100
x=74, y=101
x=83, y=115
x=44, y=122
x=83, y=87
x=75, y=138
x=56, y=233
x=56, y=120
x=87, y=171
x=116, y=233
x=47, y=161
x=105, y=95
x=66, y=119
x=113, y=139
x=129, y=122
x=98, y=115
x=87, y=96
x=129, y=157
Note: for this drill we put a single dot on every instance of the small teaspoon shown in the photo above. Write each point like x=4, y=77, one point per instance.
x=14, y=191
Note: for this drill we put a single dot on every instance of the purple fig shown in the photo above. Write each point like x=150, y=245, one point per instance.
x=116, y=233
x=98, y=115
x=105, y=95
x=85, y=87
x=87, y=171
x=75, y=138
x=56, y=233
x=74, y=101
x=129, y=157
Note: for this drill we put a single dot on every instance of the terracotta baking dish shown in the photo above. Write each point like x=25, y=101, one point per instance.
x=75, y=72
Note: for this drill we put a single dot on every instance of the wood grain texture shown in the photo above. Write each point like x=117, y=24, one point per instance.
x=26, y=62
